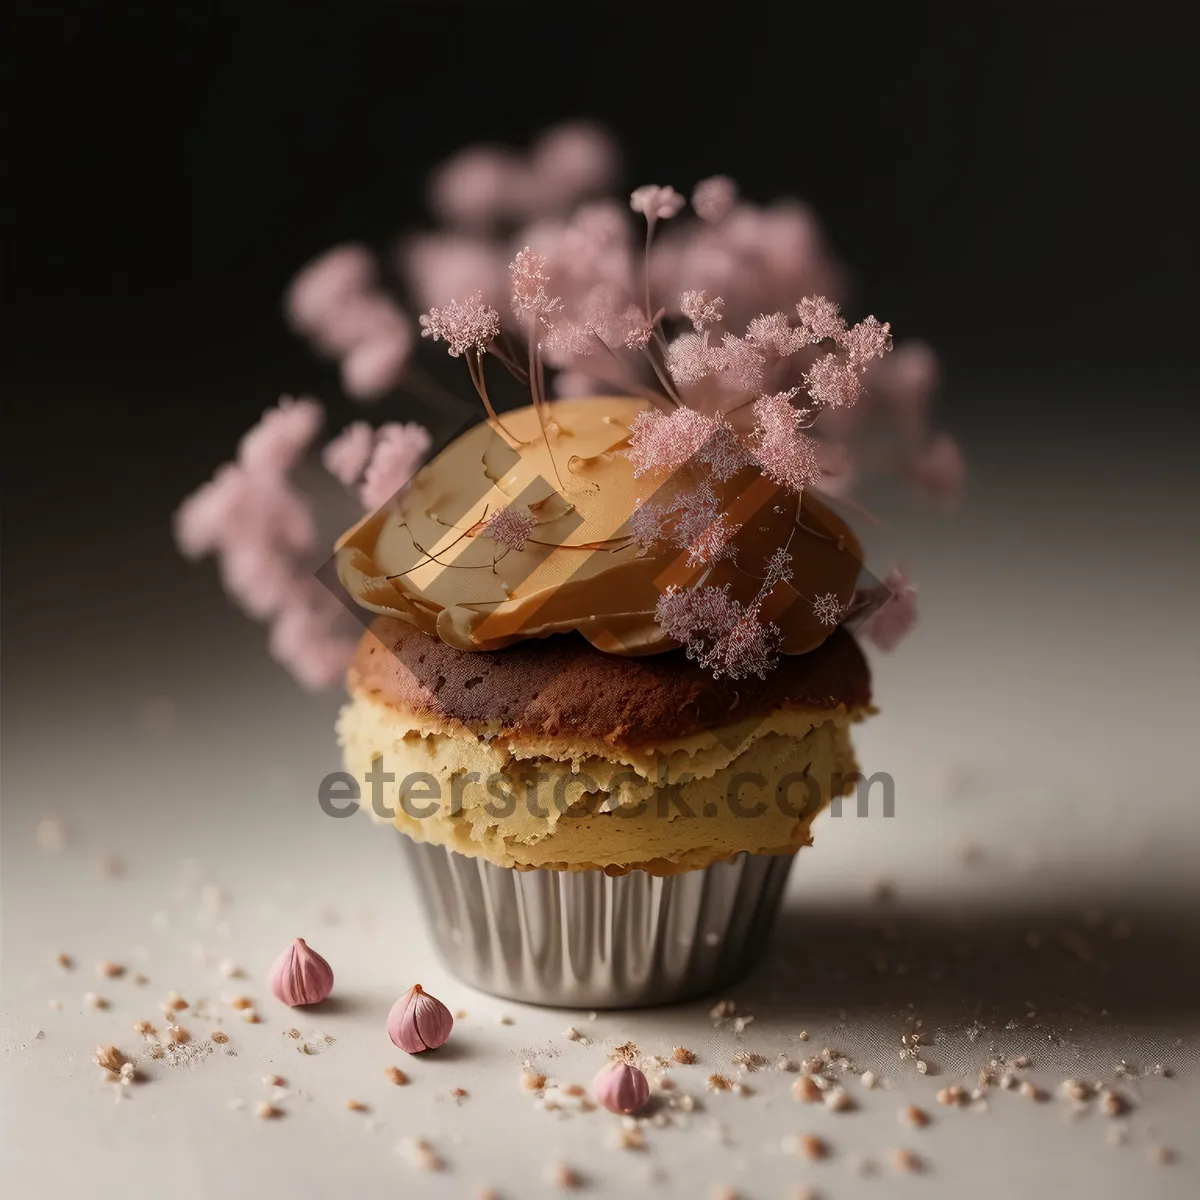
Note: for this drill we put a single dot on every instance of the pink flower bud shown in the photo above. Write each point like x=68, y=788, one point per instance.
x=621, y=1087
x=419, y=1021
x=300, y=976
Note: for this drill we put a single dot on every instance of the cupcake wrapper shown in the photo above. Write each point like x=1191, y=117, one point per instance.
x=583, y=939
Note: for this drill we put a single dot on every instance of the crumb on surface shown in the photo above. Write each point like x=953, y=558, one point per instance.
x=219, y=1037
x=562, y=1176
x=420, y=1154
x=274, y=1081
x=681, y=1054
x=357, y=1106
x=718, y=1083
x=906, y=1161
x=626, y=1052
x=65, y=961
x=918, y=1118
x=811, y=1146
x=396, y=1075
x=532, y=1081
x=1160, y=1156
x=94, y=1001
x=631, y=1139
x=109, y=1058
x=110, y=970
x=806, y=1090
x=267, y=1112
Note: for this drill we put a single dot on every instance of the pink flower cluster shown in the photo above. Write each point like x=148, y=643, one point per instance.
x=260, y=527
x=337, y=302
x=576, y=293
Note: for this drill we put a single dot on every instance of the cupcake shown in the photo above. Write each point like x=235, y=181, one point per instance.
x=610, y=668
x=600, y=815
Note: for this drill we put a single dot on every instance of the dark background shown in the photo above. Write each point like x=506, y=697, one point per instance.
x=1013, y=189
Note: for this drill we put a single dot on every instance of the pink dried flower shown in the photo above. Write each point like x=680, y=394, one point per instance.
x=639, y=333
x=832, y=382
x=748, y=648
x=278, y=440
x=700, y=310
x=713, y=198
x=437, y=265
x=723, y=452
x=939, y=471
x=867, y=340
x=904, y=382
x=462, y=326
x=690, y=615
x=772, y=334
x=821, y=317
x=398, y=451
x=713, y=543
x=690, y=358
x=741, y=364
x=664, y=443
x=722, y=635
x=260, y=578
x=572, y=160
x=346, y=457
x=897, y=614
x=419, y=1022
x=529, y=280
x=374, y=366
x=204, y=519
x=325, y=282
x=779, y=568
x=621, y=1087
x=647, y=523
x=509, y=527
x=476, y=186
x=656, y=203
x=303, y=640
x=698, y=507
x=787, y=456
x=564, y=341
x=300, y=976
x=828, y=608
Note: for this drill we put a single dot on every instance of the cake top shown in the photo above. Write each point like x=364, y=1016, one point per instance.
x=676, y=515
x=516, y=534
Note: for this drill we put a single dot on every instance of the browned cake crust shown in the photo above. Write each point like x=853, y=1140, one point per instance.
x=562, y=686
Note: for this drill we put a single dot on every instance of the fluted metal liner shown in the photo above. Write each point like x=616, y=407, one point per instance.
x=583, y=939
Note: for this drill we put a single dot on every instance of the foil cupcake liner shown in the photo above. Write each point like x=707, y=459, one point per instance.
x=584, y=939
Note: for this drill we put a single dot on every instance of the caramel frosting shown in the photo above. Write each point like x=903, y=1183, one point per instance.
x=427, y=560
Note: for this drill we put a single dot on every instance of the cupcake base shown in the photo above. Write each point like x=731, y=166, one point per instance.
x=584, y=939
